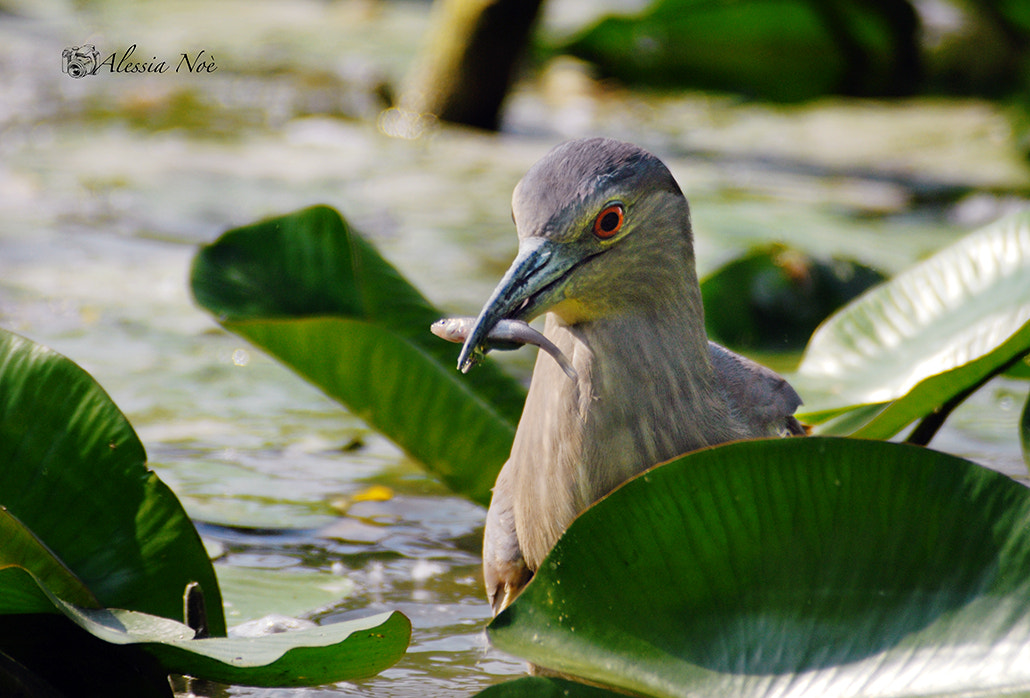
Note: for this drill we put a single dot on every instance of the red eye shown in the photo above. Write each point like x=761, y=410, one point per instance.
x=608, y=221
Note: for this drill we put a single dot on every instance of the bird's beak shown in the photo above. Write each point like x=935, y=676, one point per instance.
x=527, y=289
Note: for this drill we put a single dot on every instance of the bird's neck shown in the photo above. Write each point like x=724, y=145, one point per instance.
x=650, y=393
x=646, y=393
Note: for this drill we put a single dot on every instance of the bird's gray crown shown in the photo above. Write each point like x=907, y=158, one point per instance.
x=586, y=172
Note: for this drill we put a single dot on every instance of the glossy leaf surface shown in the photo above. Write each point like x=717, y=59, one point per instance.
x=926, y=336
x=73, y=475
x=545, y=687
x=795, y=567
x=73, y=469
x=325, y=654
x=21, y=552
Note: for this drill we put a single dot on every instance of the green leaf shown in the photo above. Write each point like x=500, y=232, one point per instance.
x=930, y=334
x=73, y=474
x=326, y=654
x=1024, y=431
x=1020, y=369
x=541, y=687
x=309, y=290
x=784, y=50
x=23, y=551
x=329, y=653
x=815, y=566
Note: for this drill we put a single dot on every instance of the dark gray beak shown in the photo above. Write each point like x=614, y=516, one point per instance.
x=531, y=285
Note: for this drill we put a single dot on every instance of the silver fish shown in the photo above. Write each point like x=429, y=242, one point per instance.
x=506, y=335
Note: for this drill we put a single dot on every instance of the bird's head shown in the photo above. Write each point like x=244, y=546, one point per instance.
x=603, y=229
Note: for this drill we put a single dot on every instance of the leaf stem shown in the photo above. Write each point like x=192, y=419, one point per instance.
x=931, y=423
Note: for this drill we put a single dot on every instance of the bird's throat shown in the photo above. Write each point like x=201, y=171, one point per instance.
x=646, y=393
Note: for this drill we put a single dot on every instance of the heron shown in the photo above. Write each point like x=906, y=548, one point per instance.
x=606, y=252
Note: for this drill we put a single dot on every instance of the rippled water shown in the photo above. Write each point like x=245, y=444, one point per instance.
x=107, y=185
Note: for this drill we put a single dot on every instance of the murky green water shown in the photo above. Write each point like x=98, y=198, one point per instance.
x=108, y=183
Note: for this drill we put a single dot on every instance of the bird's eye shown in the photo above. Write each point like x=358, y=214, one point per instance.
x=609, y=221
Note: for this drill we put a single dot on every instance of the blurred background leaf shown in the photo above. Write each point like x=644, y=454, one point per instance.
x=783, y=50
x=773, y=298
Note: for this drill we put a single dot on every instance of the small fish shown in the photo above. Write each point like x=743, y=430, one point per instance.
x=506, y=335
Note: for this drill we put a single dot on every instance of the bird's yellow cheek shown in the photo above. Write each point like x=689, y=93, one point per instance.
x=573, y=311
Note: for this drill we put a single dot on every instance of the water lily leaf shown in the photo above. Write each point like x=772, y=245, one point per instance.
x=803, y=567
x=325, y=654
x=545, y=687
x=23, y=551
x=928, y=335
x=75, y=492
x=309, y=290
x=353, y=649
x=73, y=475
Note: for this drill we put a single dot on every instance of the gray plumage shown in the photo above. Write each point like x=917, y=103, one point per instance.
x=606, y=250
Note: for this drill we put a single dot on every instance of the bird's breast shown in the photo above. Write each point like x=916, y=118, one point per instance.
x=629, y=409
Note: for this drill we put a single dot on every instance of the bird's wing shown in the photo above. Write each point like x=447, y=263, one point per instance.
x=761, y=397
x=504, y=569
